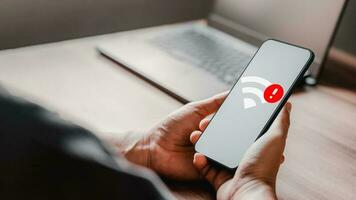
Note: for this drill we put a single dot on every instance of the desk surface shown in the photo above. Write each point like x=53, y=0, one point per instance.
x=71, y=78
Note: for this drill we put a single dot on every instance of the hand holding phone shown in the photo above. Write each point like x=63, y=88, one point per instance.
x=254, y=102
x=258, y=169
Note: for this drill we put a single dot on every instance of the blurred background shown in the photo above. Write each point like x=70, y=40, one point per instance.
x=40, y=21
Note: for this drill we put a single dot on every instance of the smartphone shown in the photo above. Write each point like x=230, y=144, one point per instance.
x=254, y=101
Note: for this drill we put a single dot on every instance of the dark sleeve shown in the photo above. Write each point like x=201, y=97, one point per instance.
x=44, y=157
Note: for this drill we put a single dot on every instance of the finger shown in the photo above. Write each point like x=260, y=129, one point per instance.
x=200, y=161
x=211, y=174
x=203, y=124
x=194, y=137
x=210, y=105
x=282, y=159
x=282, y=122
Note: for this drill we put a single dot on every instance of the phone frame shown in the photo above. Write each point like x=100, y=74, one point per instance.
x=280, y=105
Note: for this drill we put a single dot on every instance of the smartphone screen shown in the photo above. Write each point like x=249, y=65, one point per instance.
x=254, y=101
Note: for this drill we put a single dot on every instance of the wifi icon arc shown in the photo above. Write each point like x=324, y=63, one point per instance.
x=250, y=102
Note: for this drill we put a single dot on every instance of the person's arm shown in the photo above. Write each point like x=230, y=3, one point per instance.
x=45, y=157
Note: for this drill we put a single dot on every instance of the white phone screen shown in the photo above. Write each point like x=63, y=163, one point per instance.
x=253, y=101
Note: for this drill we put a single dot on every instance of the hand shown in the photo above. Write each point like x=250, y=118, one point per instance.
x=166, y=148
x=255, y=177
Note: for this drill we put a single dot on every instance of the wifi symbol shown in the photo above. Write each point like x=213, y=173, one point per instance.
x=249, y=102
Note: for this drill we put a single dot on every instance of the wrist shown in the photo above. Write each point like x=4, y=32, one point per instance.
x=254, y=189
x=139, y=153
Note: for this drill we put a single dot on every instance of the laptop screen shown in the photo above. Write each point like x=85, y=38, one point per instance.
x=308, y=23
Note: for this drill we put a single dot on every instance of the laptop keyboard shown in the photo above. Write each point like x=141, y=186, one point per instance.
x=206, y=51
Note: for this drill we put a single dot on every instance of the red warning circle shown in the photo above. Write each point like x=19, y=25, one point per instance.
x=273, y=93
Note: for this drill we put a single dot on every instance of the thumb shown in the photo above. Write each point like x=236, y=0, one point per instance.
x=208, y=106
x=280, y=126
x=271, y=145
x=276, y=136
x=263, y=158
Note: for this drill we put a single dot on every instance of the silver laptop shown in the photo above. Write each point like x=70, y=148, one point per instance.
x=195, y=60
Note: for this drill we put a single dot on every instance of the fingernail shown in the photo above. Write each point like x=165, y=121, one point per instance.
x=289, y=107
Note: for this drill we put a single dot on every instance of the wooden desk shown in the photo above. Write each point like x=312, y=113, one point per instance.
x=70, y=77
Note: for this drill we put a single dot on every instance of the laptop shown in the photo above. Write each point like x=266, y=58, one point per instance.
x=195, y=60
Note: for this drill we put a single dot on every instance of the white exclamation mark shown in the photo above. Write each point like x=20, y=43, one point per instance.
x=273, y=93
